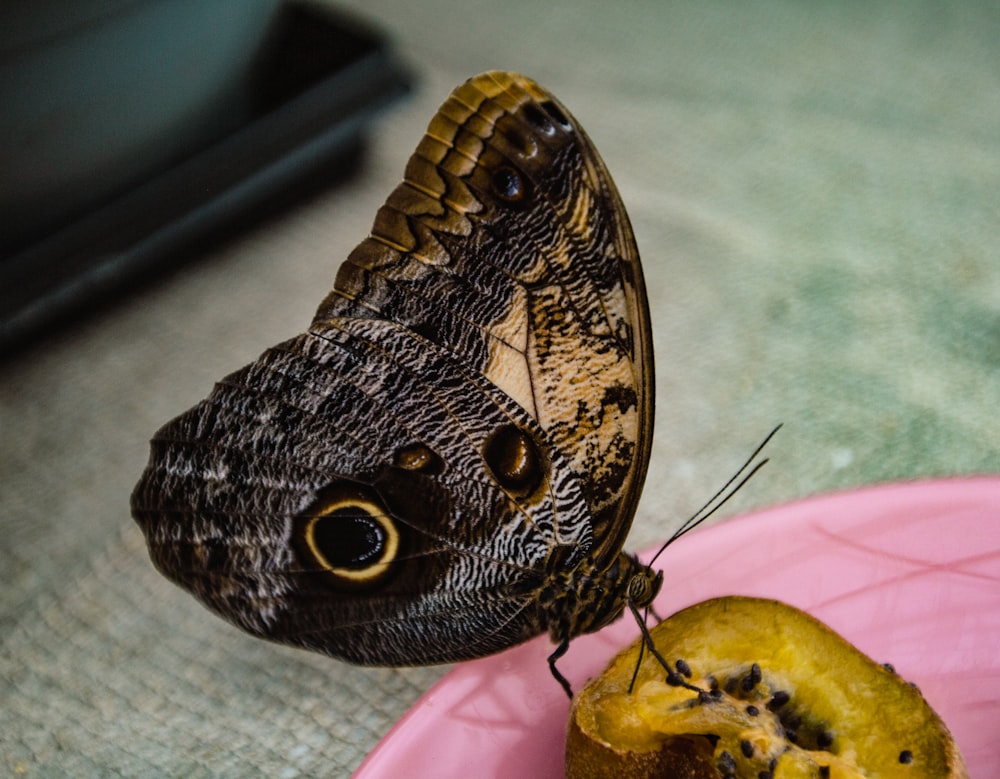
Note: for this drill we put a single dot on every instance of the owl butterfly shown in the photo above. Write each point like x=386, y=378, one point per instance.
x=448, y=461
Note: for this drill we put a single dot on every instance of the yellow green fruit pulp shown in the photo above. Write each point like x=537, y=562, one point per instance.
x=778, y=694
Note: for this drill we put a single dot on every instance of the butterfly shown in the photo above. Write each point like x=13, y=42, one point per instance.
x=448, y=461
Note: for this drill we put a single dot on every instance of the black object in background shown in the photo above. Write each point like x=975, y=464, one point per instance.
x=130, y=135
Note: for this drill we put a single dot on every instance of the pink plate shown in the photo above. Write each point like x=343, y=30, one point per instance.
x=909, y=573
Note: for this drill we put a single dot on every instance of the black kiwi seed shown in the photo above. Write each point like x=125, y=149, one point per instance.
x=889, y=667
x=824, y=772
x=726, y=764
x=752, y=710
x=765, y=775
x=906, y=757
x=824, y=739
x=683, y=668
x=709, y=696
x=746, y=748
x=752, y=679
x=778, y=699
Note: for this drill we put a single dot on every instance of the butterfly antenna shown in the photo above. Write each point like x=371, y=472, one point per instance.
x=722, y=495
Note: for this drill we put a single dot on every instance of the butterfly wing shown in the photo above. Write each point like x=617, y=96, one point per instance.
x=391, y=486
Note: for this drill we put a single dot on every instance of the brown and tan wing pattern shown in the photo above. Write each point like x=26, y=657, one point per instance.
x=470, y=407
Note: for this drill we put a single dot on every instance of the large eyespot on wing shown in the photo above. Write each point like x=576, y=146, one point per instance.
x=349, y=536
x=515, y=461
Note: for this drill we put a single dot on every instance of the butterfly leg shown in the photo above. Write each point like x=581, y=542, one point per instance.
x=674, y=678
x=559, y=652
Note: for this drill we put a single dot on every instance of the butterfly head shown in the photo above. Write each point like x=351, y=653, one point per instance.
x=643, y=585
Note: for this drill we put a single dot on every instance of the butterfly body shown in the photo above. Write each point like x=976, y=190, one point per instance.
x=447, y=462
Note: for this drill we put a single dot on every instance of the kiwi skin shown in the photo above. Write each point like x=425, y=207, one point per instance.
x=588, y=757
x=870, y=715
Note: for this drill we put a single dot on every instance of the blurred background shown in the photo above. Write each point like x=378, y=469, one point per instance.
x=815, y=190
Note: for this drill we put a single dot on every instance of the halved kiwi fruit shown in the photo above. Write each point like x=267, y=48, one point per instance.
x=756, y=689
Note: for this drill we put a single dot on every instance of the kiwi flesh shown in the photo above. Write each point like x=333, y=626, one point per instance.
x=756, y=689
